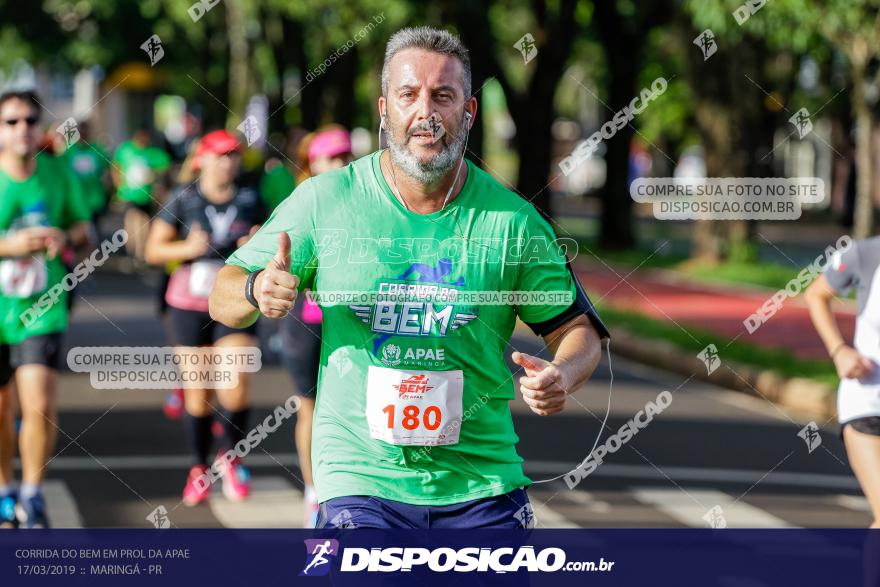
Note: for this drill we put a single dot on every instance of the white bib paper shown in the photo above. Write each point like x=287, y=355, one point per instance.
x=23, y=277
x=202, y=276
x=138, y=174
x=421, y=408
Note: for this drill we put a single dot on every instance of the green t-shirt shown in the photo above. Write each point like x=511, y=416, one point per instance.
x=349, y=233
x=50, y=197
x=276, y=184
x=89, y=163
x=139, y=167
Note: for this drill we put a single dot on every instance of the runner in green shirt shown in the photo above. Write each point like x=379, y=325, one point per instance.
x=140, y=166
x=90, y=163
x=137, y=171
x=276, y=184
x=42, y=211
x=412, y=417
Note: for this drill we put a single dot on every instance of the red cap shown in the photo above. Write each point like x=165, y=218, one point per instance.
x=218, y=142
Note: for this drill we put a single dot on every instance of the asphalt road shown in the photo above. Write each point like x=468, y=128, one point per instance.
x=712, y=457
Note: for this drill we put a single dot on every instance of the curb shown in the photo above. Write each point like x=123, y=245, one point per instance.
x=799, y=394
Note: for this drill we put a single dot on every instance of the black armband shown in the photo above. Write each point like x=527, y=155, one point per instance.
x=581, y=306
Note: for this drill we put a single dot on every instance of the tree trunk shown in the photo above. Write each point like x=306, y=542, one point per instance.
x=472, y=21
x=534, y=143
x=864, y=208
x=282, y=34
x=623, y=42
x=533, y=112
x=310, y=93
x=239, y=82
x=616, y=228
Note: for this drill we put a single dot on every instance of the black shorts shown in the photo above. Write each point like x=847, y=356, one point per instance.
x=5, y=365
x=301, y=352
x=145, y=208
x=43, y=349
x=867, y=425
x=189, y=328
x=162, y=305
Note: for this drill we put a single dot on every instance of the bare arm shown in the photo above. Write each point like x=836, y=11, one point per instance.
x=848, y=362
x=576, y=350
x=115, y=175
x=23, y=242
x=227, y=303
x=50, y=239
x=79, y=235
x=163, y=246
x=274, y=289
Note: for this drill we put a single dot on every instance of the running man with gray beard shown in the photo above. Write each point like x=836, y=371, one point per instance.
x=412, y=424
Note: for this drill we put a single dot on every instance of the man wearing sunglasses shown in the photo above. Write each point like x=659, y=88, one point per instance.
x=42, y=212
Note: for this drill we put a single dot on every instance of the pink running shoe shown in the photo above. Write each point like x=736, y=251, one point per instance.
x=195, y=492
x=236, y=479
x=173, y=406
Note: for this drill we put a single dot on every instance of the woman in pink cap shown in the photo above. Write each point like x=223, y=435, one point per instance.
x=326, y=149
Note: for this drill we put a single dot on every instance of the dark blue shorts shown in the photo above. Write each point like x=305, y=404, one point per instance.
x=509, y=511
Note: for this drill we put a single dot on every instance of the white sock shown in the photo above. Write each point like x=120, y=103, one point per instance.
x=29, y=490
x=310, y=493
x=7, y=488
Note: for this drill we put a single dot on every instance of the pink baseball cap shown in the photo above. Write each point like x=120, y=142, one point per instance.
x=330, y=143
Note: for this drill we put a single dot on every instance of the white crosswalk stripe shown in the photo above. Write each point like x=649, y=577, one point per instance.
x=853, y=502
x=589, y=502
x=60, y=505
x=692, y=507
x=273, y=503
x=547, y=517
x=276, y=503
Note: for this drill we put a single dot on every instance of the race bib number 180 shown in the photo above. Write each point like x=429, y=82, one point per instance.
x=421, y=408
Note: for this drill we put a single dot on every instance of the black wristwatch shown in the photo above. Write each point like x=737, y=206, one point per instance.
x=249, y=288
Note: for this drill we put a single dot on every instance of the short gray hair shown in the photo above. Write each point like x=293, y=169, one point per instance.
x=429, y=39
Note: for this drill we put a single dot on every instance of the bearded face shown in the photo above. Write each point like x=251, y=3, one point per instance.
x=426, y=150
x=425, y=110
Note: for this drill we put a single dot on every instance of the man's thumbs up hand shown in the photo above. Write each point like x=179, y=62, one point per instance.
x=275, y=287
x=542, y=387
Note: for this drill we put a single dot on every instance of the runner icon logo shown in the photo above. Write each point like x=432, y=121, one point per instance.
x=801, y=121
x=710, y=358
x=341, y=360
x=69, y=132
x=154, y=49
x=318, y=553
x=706, y=42
x=526, y=516
x=715, y=518
x=343, y=521
x=159, y=518
x=527, y=47
x=810, y=434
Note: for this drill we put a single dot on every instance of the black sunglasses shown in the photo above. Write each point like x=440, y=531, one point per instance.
x=30, y=121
